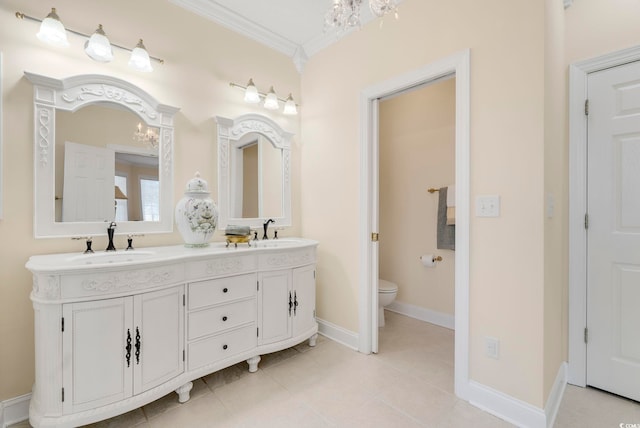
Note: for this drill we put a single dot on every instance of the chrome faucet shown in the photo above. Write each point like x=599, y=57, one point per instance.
x=110, y=230
x=266, y=227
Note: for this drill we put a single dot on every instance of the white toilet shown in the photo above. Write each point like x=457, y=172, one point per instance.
x=387, y=292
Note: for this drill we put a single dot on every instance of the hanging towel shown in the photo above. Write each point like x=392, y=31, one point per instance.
x=446, y=234
x=451, y=204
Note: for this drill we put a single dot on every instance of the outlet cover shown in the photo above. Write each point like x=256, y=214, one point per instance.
x=492, y=347
x=488, y=206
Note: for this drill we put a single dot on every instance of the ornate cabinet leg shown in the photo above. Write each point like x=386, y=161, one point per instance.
x=183, y=392
x=253, y=363
x=312, y=340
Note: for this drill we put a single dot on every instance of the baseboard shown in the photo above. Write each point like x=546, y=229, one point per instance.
x=338, y=334
x=422, y=314
x=555, y=396
x=14, y=410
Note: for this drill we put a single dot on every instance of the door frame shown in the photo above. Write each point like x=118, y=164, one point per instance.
x=578, y=76
x=457, y=64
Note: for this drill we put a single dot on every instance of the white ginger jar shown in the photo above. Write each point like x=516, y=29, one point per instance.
x=196, y=214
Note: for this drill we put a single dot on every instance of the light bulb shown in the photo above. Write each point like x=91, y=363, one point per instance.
x=98, y=47
x=52, y=31
x=251, y=94
x=271, y=101
x=139, y=59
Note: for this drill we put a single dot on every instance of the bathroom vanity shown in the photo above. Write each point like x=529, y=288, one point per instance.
x=117, y=330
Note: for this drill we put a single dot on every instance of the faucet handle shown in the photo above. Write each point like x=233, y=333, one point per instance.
x=89, y=242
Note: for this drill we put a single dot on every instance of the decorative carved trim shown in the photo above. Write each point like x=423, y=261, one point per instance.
x=127, y=280
x=247, y=126
x=108, y=93
x=167, y=153
x=288, y=259
x=224, y=266
x=44, y=116
x=49, y=290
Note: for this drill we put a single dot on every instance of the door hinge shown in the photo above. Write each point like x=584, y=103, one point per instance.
x=314, y=313
x=586, y=335
x=258, y=285
x=586, y=221
x=257, y=331
x=63, y=395
x=314, y=274
x=586, y=107
x=62, y=324
x=375, y=236
x=183, y=355
x=184, y=300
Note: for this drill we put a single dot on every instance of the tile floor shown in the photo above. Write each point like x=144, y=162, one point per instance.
x=409, y=383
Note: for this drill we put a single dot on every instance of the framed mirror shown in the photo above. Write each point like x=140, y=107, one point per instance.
x=254, y=171
x=103, y=151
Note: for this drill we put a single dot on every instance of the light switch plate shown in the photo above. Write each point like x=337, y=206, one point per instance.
x=488, y=206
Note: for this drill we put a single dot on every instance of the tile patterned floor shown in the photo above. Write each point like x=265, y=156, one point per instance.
x=409, y=383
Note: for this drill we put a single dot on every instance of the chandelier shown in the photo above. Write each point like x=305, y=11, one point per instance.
x=345, y=14
x=148, y=137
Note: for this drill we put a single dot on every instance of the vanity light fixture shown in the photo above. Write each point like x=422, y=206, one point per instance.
x=271, y=100
x=148, y=137
x=97, y=46
x=52, y=31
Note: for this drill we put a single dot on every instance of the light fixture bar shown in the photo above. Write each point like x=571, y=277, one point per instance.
x=21, y=15
x=262, y=94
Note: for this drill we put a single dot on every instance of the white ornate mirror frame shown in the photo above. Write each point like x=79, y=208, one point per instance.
x=71, y=94
x=233, y=130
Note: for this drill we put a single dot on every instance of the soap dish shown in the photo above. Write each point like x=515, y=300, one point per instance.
x=238, y=239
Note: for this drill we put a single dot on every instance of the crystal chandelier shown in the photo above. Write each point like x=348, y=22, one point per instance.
x=148, y=137
x=345, y=14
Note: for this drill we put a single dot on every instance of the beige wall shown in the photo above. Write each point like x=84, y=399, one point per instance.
x=506, y=39
x=201, y=58
x=417, y=151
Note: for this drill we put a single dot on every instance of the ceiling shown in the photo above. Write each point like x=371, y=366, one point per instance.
x=293, y=27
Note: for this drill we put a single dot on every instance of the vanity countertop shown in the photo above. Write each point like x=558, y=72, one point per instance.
x=79, y=262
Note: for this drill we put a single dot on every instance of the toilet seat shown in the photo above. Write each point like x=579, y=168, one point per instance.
x=385, y=286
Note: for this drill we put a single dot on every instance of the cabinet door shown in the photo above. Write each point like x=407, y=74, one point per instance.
x=304, y=297
x=158, y=338
x=94, y=344
x=274, y=312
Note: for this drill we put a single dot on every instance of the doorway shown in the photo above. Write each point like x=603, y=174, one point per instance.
x=457, y=65
x=603, y=292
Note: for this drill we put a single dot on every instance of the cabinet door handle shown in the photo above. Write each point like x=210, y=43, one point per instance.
x=225, y=289
x=137, y=346
x=224, y=347
x=295, y=302
x=290, y=303
x=128, y=348
x=224, y=318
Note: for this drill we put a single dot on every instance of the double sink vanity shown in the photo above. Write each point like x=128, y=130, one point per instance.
x=117, y=330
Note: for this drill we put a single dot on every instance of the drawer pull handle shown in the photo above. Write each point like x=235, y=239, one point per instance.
x=225, y=289
x=224, y=318
x=224, y=347
x=128, y=348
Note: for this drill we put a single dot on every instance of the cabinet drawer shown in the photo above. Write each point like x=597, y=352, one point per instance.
x=219, y=318
x=217, y=348
x=215, y=291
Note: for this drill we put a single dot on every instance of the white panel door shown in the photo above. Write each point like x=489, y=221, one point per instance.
x=158, y=338
x=275, y=306
x=613, y=236
x=89, y=183
x=304, y=299
x=94, y=344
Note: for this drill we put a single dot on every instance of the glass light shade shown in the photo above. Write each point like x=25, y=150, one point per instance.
x=52, y=31
x=98, y=47
x=271, y=101
x=251, y=94
x=139, y=59
x=290, y=106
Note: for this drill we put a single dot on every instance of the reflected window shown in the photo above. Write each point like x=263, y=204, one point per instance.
x=122, y=207
x=150, y=198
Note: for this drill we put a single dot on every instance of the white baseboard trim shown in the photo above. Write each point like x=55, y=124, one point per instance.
x=422, y=314
x=14, y=410
x=336, y=333
x=555, y=396
x=516, y=411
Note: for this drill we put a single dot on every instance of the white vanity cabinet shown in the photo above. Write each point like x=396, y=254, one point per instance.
x=287, y=303
x=115, y=331
x=116, y=348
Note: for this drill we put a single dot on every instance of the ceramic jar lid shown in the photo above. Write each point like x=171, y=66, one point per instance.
x=197, y=185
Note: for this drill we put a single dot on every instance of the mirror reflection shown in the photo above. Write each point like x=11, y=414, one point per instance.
x=103, y=170
x=257, y=186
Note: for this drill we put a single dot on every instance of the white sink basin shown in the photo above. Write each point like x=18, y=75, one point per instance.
x=109, y=257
